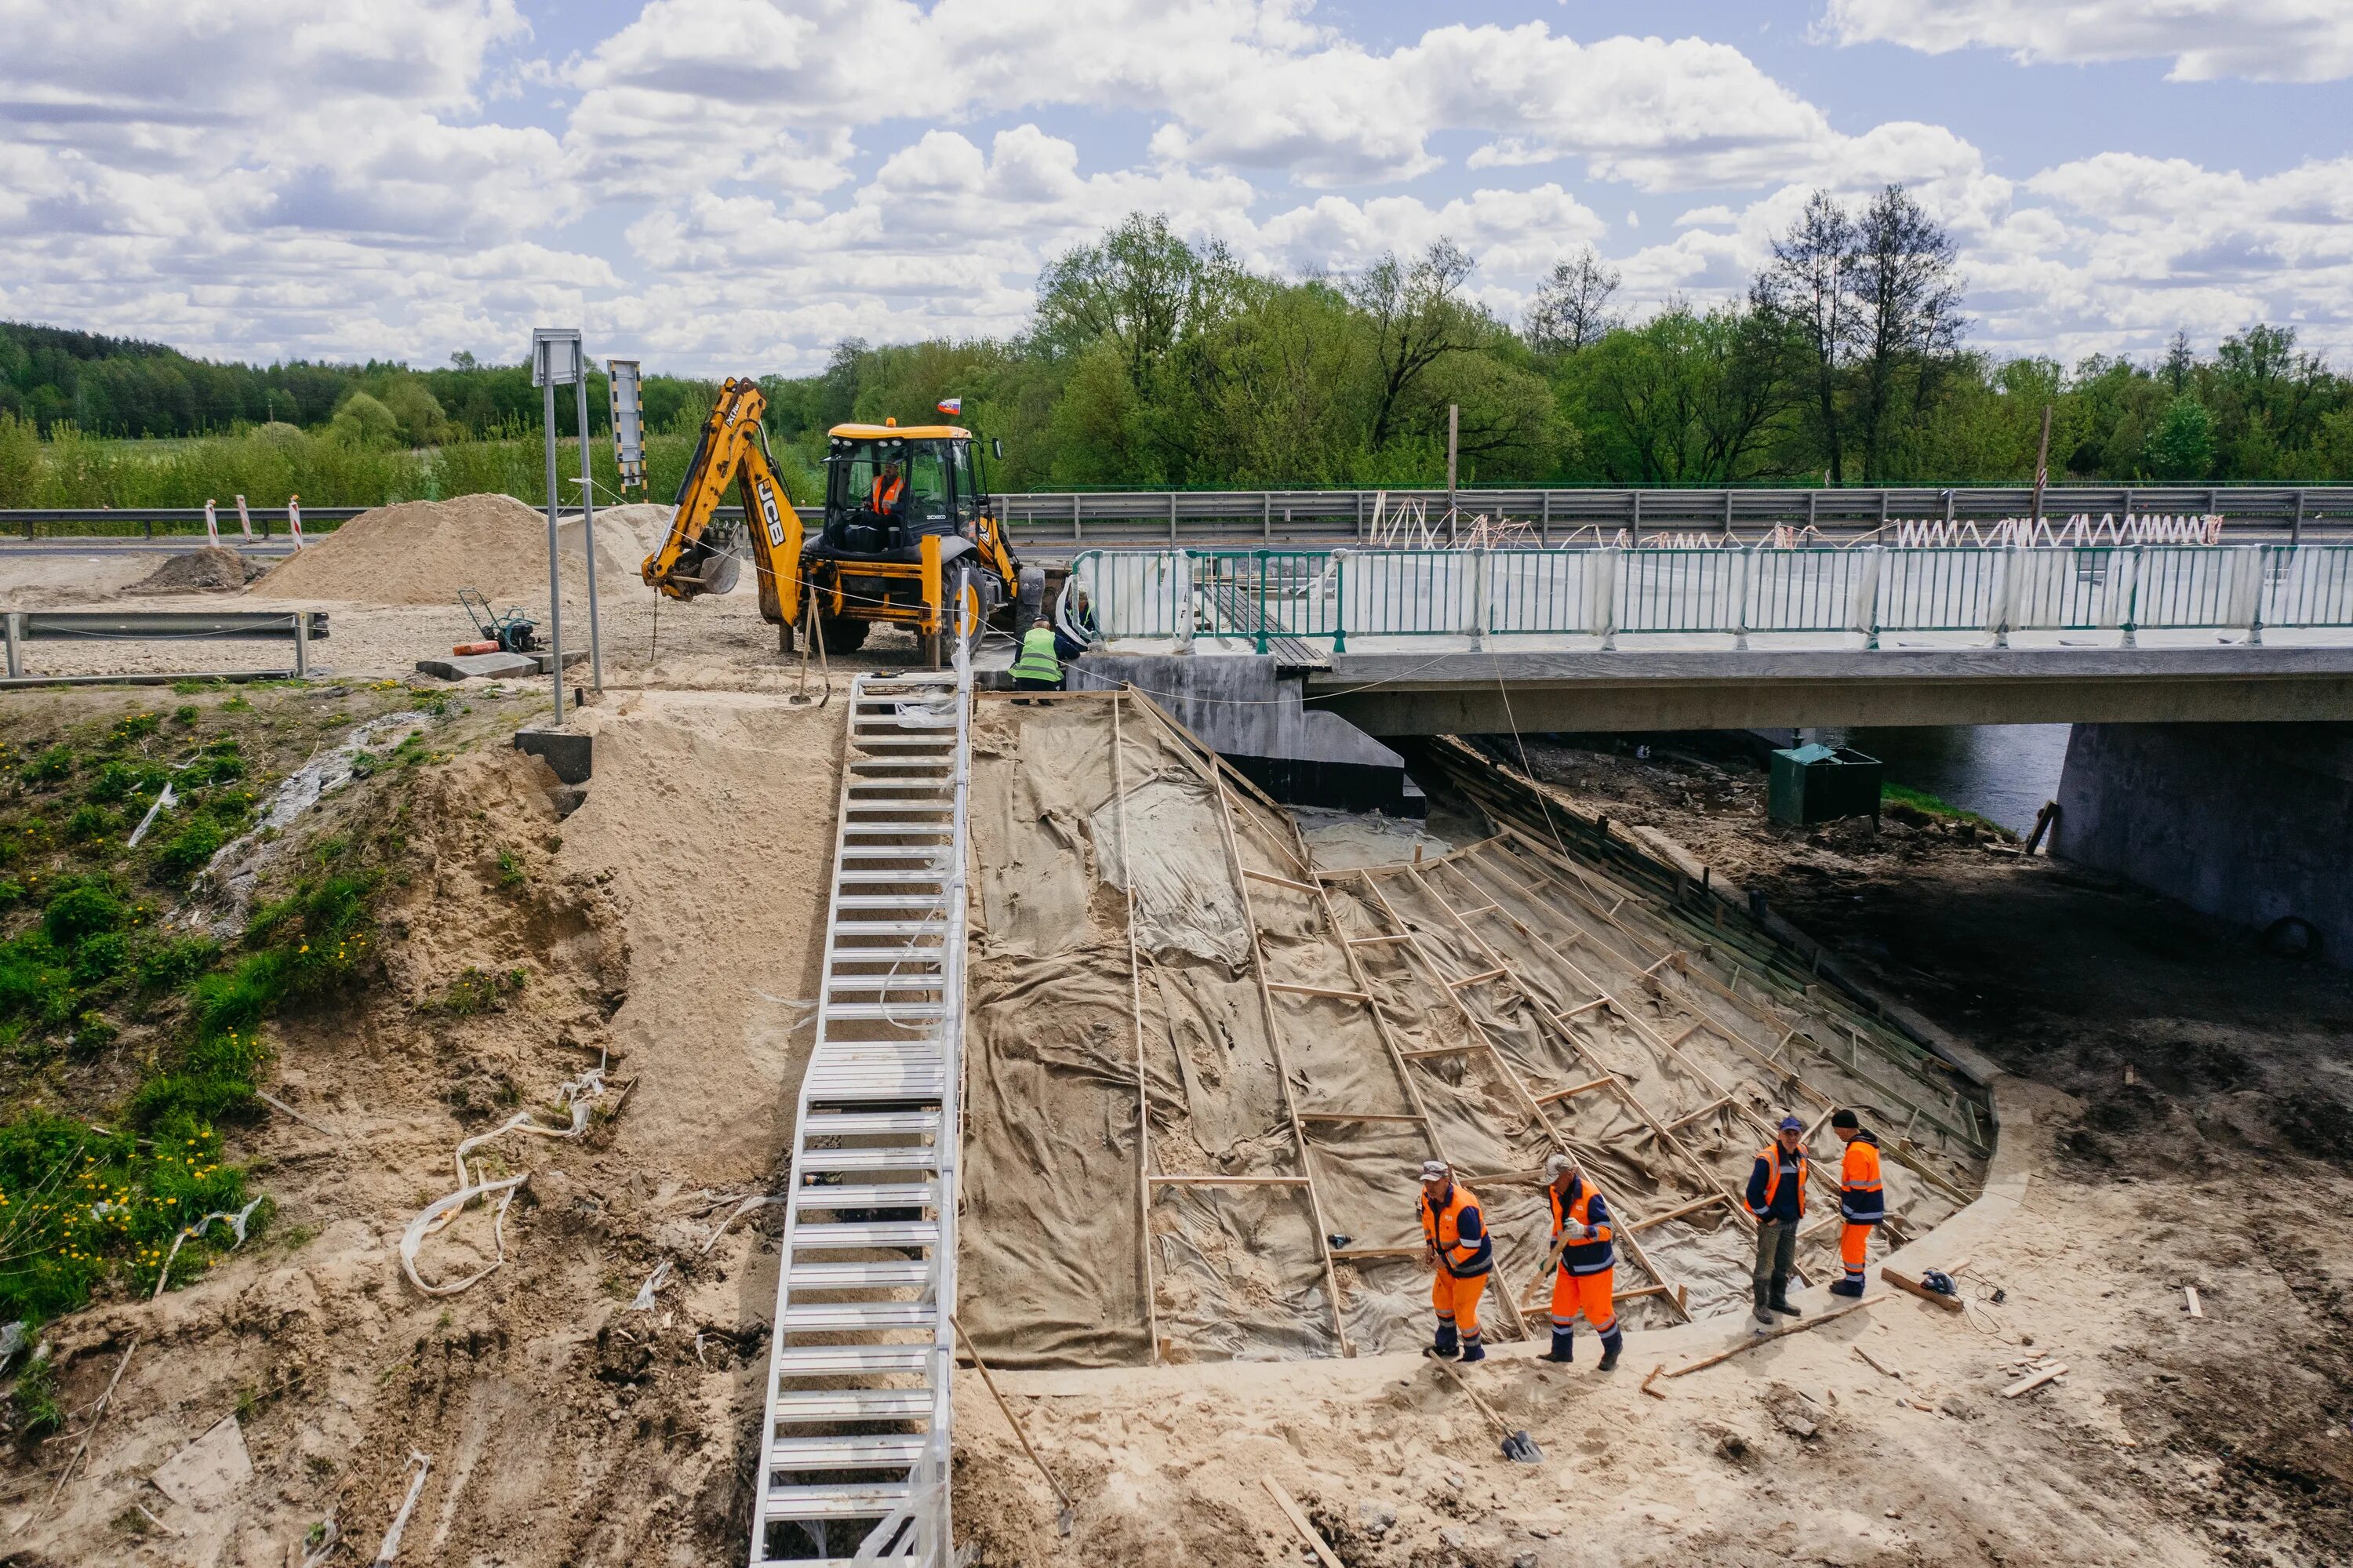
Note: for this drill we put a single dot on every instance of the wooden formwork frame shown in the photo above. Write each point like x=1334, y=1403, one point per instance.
x=1217, y=771
x=1902, y=1151
x=1676, y=1295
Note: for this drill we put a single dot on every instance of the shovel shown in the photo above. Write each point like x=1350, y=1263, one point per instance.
x=1517, y=1445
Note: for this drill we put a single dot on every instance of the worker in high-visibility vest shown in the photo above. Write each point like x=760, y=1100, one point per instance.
x=1037, y=669
x=1585, y=1281
x=1863, y=1203
x=1776, y=1201
x=1460, y=1256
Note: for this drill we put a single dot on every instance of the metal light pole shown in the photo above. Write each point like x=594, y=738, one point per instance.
x=588, y=535
x=554, y=357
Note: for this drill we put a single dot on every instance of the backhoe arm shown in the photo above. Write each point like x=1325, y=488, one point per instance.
x=732, y=451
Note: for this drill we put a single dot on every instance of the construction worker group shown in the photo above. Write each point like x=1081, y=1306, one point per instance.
x=1581, y=1260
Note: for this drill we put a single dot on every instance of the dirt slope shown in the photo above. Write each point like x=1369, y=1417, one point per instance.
x=651, y=928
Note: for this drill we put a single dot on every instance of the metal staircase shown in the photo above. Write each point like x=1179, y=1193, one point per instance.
x=858, y=1409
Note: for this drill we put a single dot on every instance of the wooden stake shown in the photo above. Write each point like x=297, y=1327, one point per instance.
x=1012, y=1420
x=1654, y=1377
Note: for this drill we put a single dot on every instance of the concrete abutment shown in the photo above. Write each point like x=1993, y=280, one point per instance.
x=2250, y=823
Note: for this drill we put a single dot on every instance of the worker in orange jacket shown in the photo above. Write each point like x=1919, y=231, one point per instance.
x=1461, y=1255
x=1861, y=1202
x=1585, y=1280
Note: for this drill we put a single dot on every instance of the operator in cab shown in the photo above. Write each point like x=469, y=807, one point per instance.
x=888, y=490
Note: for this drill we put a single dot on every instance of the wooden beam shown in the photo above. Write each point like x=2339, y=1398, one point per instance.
x=1358, y=1115
x=1390, y=937
x=1907, y=1283
x=1480, y=979
x=1143, y=1095
x=1678, y=1211
x=1552, y=1094
x=1230, y=1182
x=1783, y=1332
x=1464, y=1049
x=1293, y=990
x=1268, y=876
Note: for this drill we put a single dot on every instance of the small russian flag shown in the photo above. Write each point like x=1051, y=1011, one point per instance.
x=951, y=405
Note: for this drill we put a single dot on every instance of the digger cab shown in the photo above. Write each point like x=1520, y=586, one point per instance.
x=940, y=489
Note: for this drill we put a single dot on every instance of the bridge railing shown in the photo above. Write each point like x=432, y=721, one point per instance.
x=1334, y=595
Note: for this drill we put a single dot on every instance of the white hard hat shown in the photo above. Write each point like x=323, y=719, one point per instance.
x=1557, y=1165
x=1433, y=1169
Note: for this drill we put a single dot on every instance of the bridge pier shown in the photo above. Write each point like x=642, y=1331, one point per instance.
x=2249, y=822
x=1246, y=708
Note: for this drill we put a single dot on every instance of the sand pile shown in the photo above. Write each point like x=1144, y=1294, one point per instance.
x=422, y=552
x=208, y=570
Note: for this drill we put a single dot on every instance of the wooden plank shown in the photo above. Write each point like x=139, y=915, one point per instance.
x=1298, y=1522
x=1480, y=979
x=1782, y=1332
x=1135, y=1017
x=1885, y=1369
x=1429, y=1051
x=1570, y=1094
x=1390, y=937
x=1268, y=876
x=2191, y=1292
x=1677, y=1212
x=1907, y=1283
x=2029, y=1385
x=1358, y=1116
x=1295, y=990
x=1229, y=1181
x=1346, y=1253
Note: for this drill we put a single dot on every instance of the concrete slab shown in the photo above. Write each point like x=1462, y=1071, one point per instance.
x=545, y=662
x=496, y=666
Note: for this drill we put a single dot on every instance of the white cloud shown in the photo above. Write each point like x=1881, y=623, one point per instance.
x=325, y=177
x=2269, y=40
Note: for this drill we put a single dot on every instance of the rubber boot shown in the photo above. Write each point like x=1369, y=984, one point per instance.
x=1563, y=1347
x=1780, y=1301
x=1612, y=1343
x=1446, y=1345
x=1847, y=1288
x=1764, y=1311
x=1472, y=1350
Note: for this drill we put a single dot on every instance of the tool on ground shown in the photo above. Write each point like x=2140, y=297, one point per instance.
x=1780, y=1333
x=1517, y=1445
x=1069, y=1516
x=507, y=627
x=1949, y=1297
x=1299, y=1522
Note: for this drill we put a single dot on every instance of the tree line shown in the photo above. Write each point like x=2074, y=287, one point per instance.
x=1152, y=361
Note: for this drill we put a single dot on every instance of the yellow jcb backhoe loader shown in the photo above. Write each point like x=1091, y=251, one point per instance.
x=907, y=539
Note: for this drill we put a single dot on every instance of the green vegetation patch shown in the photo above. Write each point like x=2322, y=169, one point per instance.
x=1928, y=805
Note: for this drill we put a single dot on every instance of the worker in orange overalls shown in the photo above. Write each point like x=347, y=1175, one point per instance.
x=1588, y=1262
x=1455, y=1233
x=1861, y=1202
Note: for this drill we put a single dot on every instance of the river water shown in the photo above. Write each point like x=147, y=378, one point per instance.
x=2001, y=771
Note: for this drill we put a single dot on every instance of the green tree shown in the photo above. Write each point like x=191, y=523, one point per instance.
x=364, y=421
x=2182, y=445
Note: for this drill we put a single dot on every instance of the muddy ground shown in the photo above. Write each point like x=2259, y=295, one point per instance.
x=2205, y=1135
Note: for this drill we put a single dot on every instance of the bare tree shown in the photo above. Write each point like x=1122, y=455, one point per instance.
x=1907, y=294
x=1416, y=317
x=2178, y=361
x=1806, y=286
x=1572, y=307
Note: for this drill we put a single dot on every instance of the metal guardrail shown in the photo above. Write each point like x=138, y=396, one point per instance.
x=1334, y=595
x=299, y=627
x=1555, y=516
x=1329, y=517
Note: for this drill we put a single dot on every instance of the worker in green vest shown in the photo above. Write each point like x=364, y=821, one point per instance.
x=1037, y=669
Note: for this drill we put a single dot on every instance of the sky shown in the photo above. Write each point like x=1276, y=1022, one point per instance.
x=734, y=186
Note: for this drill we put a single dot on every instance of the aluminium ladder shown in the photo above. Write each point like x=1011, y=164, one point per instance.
x=856, y=1428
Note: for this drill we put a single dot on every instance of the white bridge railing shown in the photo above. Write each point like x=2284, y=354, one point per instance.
x=1334, y=595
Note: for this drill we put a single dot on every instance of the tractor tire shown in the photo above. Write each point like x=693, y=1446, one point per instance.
x=843, y=633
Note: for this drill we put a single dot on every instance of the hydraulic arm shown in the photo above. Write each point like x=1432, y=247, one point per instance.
x=698, y=556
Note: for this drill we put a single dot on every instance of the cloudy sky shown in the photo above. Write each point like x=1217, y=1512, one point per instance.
x=737, y=185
